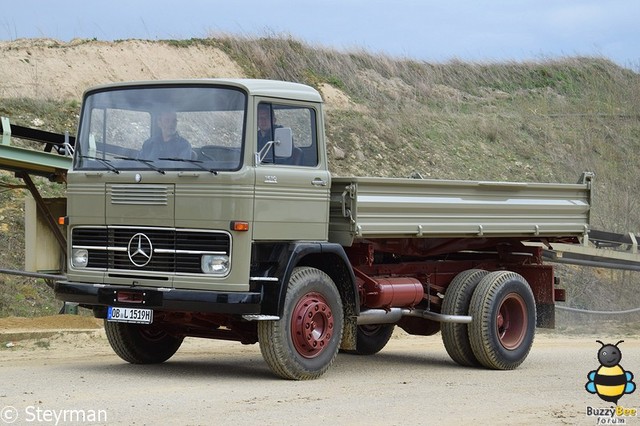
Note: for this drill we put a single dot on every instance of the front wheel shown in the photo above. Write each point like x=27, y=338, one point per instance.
x=305, y=341
x=504, y=320
x=141, y=344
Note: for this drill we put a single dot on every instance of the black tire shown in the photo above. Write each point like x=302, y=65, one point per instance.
x=141, y=344
x=456, y=302
x=370, y=339
x=304, y=342
x=504, y=320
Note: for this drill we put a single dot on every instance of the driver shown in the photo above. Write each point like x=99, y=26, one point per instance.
x=167, y=143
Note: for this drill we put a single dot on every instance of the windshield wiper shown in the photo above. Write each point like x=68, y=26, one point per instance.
x=196, y=163
x=106, y=163
x=145, y=162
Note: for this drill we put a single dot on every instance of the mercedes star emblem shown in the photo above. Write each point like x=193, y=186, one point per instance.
x=140, y=250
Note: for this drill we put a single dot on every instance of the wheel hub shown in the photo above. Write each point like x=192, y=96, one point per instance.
x=511, y=321
x=311, y=325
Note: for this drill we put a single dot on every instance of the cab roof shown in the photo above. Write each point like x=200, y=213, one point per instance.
x=253, y=87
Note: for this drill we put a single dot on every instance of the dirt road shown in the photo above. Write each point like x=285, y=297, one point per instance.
x=212, y=382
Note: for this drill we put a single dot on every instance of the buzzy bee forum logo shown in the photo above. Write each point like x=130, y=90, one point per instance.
x=610, y=382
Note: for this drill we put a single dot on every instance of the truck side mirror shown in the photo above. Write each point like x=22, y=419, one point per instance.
x=282, y=145
x=283, y=140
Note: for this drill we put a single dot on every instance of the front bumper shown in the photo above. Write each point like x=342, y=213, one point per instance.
x=169, y=299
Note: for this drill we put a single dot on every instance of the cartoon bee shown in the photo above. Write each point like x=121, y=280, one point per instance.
x=610, y=381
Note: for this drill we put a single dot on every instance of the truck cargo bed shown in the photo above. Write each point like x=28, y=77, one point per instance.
x=365, y=207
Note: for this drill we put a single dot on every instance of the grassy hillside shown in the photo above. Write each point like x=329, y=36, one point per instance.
x=541, y=121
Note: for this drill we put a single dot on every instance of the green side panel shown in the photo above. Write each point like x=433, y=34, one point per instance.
x=397, y=208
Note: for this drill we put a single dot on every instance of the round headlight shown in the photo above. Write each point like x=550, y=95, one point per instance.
x=80, y=258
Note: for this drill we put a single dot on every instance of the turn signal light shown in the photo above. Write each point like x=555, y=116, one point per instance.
x=238, y=225
x=63, y=220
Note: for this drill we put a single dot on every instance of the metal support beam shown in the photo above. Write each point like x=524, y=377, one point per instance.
x=6, y=130
x=53, y=277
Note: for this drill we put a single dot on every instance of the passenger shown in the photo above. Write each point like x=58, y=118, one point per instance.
x=266, y=124
x=167, y=143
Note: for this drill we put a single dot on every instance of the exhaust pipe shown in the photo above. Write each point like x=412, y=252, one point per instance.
x=393, y=315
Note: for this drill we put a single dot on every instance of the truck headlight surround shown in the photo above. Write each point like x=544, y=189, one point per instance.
x=215, y=264
x=79, y=258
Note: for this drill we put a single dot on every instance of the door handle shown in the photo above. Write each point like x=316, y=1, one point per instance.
x=318, y=182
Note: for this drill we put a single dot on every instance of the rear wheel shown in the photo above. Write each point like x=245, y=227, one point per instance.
x=504, y=320
x=456, y=302
x=141, y=344
x=305, y=341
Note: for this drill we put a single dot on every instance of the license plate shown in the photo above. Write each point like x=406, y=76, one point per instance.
x=134, y=315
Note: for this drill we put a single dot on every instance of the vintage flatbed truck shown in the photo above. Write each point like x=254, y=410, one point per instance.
x=255, y=241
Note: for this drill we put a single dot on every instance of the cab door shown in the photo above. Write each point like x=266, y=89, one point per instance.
x=291, y=192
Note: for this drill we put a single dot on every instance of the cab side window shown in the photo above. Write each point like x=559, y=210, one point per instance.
x=301, y=121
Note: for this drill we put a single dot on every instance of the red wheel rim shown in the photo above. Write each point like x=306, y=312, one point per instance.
x=311, y=325
x=511, y=321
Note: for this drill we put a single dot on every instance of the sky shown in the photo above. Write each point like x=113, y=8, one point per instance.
x=425, y=30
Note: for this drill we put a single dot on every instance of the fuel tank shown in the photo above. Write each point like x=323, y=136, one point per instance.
x=393, y=292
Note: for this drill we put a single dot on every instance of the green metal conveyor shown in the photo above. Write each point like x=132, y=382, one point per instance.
x=51, y=162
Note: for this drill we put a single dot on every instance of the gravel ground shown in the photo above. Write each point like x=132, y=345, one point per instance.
x=50, y=376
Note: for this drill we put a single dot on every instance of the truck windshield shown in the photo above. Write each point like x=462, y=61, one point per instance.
x=163, y=128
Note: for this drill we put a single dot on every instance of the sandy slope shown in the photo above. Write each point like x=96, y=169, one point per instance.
x=53, y=70
x=48, y=69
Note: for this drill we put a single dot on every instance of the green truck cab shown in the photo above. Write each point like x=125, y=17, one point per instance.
x=205, y=208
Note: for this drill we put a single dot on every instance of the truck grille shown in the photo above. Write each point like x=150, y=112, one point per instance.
x=159, y=249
